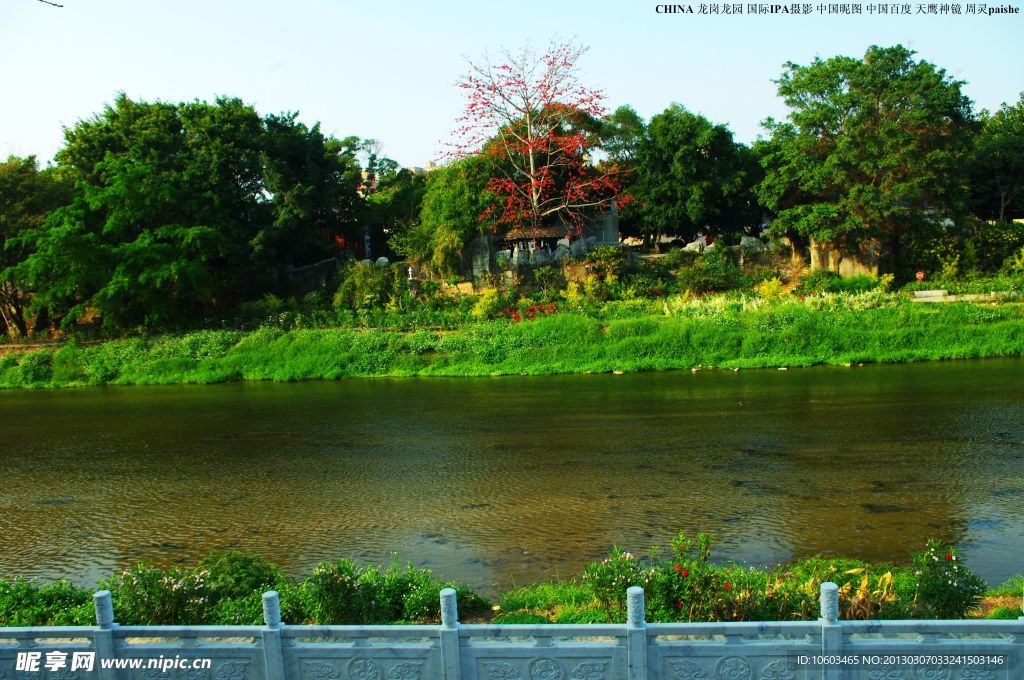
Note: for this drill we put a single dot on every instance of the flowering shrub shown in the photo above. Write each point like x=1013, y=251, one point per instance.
x=610, y=578
x=688, y=588
x=144, y=595
x=946, y=588
x=332, y=593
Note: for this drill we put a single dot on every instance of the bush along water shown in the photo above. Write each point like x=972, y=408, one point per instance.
x=583, y=333
x=226, y=588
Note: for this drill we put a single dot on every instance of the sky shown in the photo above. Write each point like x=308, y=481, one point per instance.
x=387, y=70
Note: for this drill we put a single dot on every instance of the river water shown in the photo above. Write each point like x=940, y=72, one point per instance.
x=502, y=481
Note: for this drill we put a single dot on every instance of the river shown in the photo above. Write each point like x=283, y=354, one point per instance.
x=502, y=481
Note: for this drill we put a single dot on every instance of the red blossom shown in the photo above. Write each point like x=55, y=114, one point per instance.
x=527, y=115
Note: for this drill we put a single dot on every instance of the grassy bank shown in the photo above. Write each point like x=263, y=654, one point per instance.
x=226, y=588
x=638, y=335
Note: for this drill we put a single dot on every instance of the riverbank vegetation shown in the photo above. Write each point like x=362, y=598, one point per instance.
x=681, y=584
x=161, y=217
x=677, y=332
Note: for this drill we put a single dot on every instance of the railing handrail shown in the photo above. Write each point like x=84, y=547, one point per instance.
x=454, y=649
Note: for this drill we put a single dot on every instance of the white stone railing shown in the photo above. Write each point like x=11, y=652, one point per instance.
x=636, y=650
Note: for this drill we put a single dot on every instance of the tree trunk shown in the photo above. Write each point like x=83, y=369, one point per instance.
x=13, y=320
x=42, y=321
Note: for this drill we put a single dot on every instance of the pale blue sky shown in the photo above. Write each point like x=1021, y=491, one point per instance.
x=387, y=70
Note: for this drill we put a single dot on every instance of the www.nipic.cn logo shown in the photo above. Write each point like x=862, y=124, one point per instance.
x=33, y=662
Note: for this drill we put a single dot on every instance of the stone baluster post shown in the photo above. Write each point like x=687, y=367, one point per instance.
x=451, y=661
x=103, y=634
x=636, y=634
x=831, y=630
x=273, y=646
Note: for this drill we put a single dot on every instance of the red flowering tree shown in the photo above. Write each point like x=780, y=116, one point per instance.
x=534, y=120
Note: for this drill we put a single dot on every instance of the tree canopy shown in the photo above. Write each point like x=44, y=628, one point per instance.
x=536, y=122
x=183, y=209
x=27, y=195
x=871, y=147
x=456, y=197
x=691, y=175
x=997, y=176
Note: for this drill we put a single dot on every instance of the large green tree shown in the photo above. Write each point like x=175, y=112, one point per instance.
x=997, y=174
x=455, y=198
x=873, y=148
x=181, y=210
x=27, y=195
x=692, y=176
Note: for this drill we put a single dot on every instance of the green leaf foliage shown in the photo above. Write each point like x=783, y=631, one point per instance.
x=182, y=210
x=691, y=175
x=872, y=147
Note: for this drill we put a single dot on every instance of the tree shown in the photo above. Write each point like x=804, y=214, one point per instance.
x=455, y=198
x=314, y=183
x=692, y=176
x=182, y=210
x=27, y=195
x=997, y=177
x=872, y=150
x=394, y=208
x=621, y=134
x=534, y=120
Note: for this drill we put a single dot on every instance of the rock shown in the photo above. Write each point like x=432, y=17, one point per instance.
x=381, y=262
x=752, y=244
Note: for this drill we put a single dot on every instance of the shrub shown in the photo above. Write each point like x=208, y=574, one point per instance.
x=234, y=573
x=36, y=368
x=688, y=587
x=770, y=289
x=605, y=260
x=715, y=270
x=490, y=304
x=610, y=578
x=1012, y=587
x=680, y=258
x=331, y=593
x=1014, y=264
x=364, y=286
x=816, y=282
x=143, y=595
x=26, y=603
x=946, y=588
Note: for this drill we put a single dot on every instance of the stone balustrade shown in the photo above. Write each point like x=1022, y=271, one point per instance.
x=636, y=650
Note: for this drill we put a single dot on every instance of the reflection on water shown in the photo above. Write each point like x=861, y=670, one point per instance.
x=513, y=480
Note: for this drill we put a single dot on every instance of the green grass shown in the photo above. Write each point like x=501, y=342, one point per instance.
x=1012, y=587
x=546, y=596
x=639, y=335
